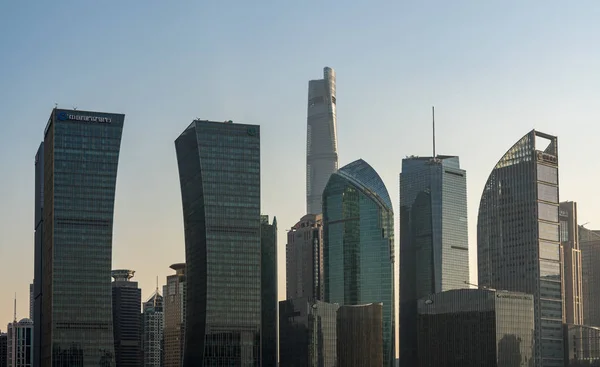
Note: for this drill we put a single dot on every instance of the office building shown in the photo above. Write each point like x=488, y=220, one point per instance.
x=475, y=327
x=268, y=244
x=31, y=302
x=219, y=173
x=518, y=243
x=321, y=138
x=38, y=249
x=126, y=304
x=358, y=249
x=81, y=155
x=19, y=344
x=583, y=346
x=589, y=243
x=360, y=336
x=571, y=255
x=153, y=330
x=3, y=349
x=307, y=333
x=174, y=316
x=434, y=248
x=304, y=259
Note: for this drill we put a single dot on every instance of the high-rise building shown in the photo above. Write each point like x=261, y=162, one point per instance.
x=38, y=250
x=219, y=173
x=358, y=249
x=268, y=244
x=518, y=237
x=126, y=304
x=571, y=255
x=584, y=346
x=434, y=249
x=589, y=243
x=321, y=138
x=81, y=155
x=153, y=330
x=19, y=344
x=475, y=327
x=3, y=349
x=31, y=302
x=359, y=336
x=304, y=259
x=174, y=314
x=307, y=333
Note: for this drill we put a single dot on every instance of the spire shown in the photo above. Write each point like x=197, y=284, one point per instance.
x=433, y=120
x=15, y=308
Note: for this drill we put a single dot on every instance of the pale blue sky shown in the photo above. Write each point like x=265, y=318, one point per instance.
x=493, y=69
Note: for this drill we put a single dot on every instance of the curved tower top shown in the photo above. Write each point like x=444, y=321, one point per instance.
x=321, y=138
x=361, y=174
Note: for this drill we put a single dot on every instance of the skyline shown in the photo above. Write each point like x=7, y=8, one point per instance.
x=537, y=73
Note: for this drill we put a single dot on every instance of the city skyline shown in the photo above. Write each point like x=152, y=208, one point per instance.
x=147, y=190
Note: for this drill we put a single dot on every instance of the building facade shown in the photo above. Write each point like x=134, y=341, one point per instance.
x=518, y=237
x=358, y=250
x=476, y=327
x=584, y=346
x=126, y=305
x=174, y=315
x=307, y=333
x=219, y=173
x=38, y=249
x=321, y=138
x=360, y=336
x=571, y=254
x=434, y=247
x=268, y=244
x=589, y=243
x=81, y=155
x=20, y=344
x=304, y=259
x=3, y=349
x=153, y=330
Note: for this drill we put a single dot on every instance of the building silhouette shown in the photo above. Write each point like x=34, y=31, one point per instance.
x=81, y=155
x=126, y=305
x=19, y=344
x=38, y=250
x=518, y=242
x=434, y=250
x=153, y=330
x=571, y=255
x=219, y=173
x=174, y=315
x=304, y=259
x=268, y=244
x=589, y=243
x=360, y=336
x=321, y=138
x=358, y=247
x=3, y=349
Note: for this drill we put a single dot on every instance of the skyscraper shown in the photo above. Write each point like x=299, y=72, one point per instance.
x=81, y=155
x=153, y=330
x=304, y=258
x=38, y=250
x=358, y=247
x=19, y=344
x=268, y=244
x=359, y=336
x=434, y=248
x=126, y=304
x=219, y=173
x=589, y=243
x=321, y=138
x=3, y=349
x=31, y=302
x=518, y=243
x=174, y=314
x=569, y=240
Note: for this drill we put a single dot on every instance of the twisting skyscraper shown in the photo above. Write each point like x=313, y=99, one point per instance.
x=321, y=138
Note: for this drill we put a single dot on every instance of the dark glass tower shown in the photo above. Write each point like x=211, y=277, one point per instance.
x=81, y=154
x=219, y=173
x=518, y=243
x=268, y=240
x=359, y=336
x=38, y=249
x=358, y=247
x=434, y=248
x=126, y=302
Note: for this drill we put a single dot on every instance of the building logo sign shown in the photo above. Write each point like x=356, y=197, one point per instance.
x=252, y=131
x=63, y=116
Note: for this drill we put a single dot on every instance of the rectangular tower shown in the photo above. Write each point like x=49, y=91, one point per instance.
x=304, y=259
x=81, y=155
x=38, y=250
x=569, y=240
x=126, y=305
x=589, y=241
x=174, y=330
x=268, y=244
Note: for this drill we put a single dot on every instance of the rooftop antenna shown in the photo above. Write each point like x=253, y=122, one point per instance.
x=55, y=105
x=15, y=308
x=156, y=293
x=433, y=120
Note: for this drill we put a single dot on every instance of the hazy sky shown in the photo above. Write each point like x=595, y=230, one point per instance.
x=493, y=69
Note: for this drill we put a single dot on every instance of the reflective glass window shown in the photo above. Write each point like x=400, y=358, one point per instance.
x=549, y=250
x=550, y=270
x=547, y=174
x=551, y=309
x=548, y=231
x=547, y=192
x=548, y=212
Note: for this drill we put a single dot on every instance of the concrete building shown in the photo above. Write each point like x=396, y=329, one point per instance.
x=219, y=173
x=268, y=244
x=589, y=243
x=321, y=138
x=571, y=255
x=304, y=259
x=19, y=344
x=518, y=237
x=126, y=304
x=174, y=315
x=153, y=330
x=359, y=336
x=434, y=244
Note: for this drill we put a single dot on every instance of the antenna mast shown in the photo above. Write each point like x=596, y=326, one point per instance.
x=15, y=308
x=433, y=120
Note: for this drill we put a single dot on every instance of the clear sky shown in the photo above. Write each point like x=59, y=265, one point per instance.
x=494, y=70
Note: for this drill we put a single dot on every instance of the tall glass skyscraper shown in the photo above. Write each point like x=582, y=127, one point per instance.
x=174, y=317
x=81, y=154
x=268, y=239
x=38, y=250
x=434, y=245
x=321, y=138
x=518, y=242
x=219, y=173
x=358, y=247
x=127, y=321
x=571, y=255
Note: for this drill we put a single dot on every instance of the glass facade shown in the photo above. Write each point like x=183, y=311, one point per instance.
x=569, y=240
x=153, y=330
x=219, y=173
x=476, y=327
x=268, y=239
x=38, y=250
x=589, y=242
x=434, y=250
x=20, y=344
x=583, y=346
x=518, y=236
x=359, y=336
x=304, y=259
x=126, y=305
x=81, y=155
x=3, y=350
x=174, y=315
x=358, y=247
